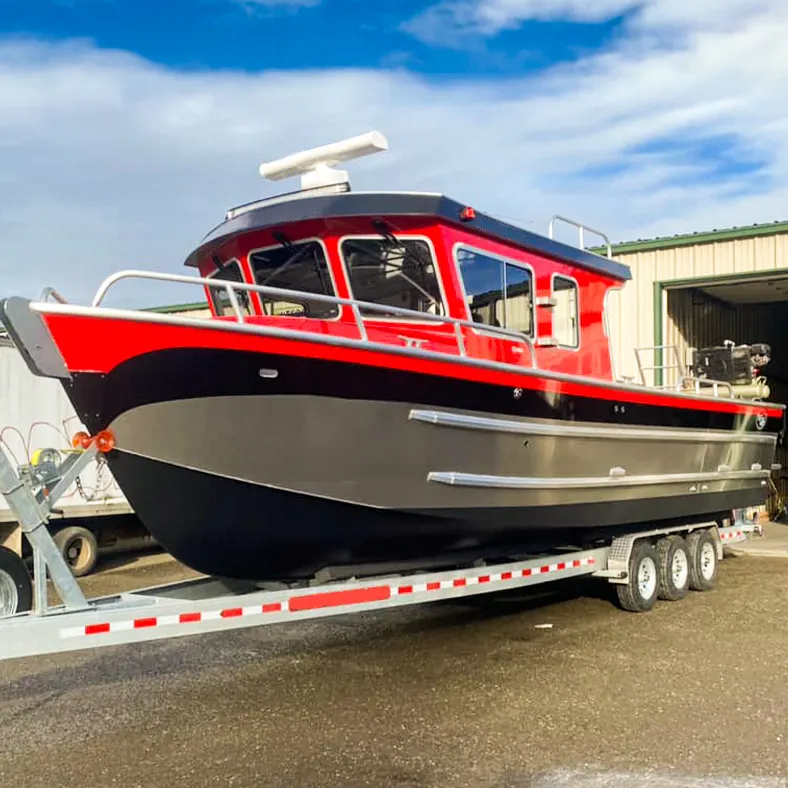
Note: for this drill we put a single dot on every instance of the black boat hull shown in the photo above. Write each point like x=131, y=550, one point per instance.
x=273, y=467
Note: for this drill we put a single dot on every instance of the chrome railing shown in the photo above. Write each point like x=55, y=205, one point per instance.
x=684, y=382
x=582, y=229
x=50, y=292
x=232, y=289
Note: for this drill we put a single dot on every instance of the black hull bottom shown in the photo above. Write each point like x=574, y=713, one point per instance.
x=234, y=529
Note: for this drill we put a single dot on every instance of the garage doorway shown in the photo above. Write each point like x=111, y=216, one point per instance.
x=745, y=310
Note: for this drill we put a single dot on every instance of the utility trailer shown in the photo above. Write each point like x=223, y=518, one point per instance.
x=645, y=566
x=36, y=422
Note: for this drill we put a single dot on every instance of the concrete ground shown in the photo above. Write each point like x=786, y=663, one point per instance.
x=471, y=693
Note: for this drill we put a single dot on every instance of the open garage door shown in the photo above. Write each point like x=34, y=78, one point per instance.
x=746, y=311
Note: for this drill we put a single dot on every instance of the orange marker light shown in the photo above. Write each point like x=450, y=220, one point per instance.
x=467, y=214
x=81, y=440
x=105, y=441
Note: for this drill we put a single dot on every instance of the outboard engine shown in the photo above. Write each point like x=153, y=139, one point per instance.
x=738, y=365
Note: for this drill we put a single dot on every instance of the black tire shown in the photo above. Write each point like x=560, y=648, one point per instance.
x=79, y=548
x=674, y=568
x=16, y=585
x=639, y=595
x=703, y=560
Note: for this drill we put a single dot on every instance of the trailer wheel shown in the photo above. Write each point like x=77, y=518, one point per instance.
x=674, y=568
x=703, y=560
x=640, y=592
x=16, y=586
x=79, y=548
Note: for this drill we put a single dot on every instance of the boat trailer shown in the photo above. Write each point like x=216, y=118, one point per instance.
x=651, y=564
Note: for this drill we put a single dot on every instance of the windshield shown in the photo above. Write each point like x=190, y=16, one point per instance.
x=393, y=271
x=229, y=272
x=295, y=266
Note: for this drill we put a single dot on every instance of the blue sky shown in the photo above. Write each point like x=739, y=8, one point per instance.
x=224, y=34
x=127, y=128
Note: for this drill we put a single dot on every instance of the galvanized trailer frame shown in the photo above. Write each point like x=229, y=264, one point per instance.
x=208, y=604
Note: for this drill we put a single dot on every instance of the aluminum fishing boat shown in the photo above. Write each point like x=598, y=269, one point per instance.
x=387, y=378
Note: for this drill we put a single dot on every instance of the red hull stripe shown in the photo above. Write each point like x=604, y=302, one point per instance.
x=301, y=602
x=121, y=339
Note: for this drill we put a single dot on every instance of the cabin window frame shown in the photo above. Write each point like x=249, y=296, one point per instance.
x=492, y=330
x=213, y=292
x=578, y=331
x=295, y=242
x=381, y=316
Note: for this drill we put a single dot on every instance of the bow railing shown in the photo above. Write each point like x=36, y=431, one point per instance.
x=231, y=289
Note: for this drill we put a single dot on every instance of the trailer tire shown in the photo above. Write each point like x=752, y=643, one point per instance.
x=703, y=560
x=79, y=548
x=639, y=594
x=674, y=568
x=16, y=585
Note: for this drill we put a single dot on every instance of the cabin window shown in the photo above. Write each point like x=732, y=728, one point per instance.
x=229, y=272
x=399, y=272
x=566, y=331
x=498, y=293
x=298, y=266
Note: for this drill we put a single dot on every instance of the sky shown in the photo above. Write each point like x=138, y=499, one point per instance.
x=128, y=128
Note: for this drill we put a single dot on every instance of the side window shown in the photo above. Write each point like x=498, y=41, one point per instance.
x=230, y=272
x=499, y=294
x=392, y=271
x=566, y=330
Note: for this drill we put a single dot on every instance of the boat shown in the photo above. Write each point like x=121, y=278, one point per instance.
x=387, y=379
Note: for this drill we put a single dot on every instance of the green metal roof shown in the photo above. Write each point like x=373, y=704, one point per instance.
x=691, y=239
x=170, y=308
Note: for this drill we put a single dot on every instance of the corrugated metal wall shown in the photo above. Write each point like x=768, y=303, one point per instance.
x=631, y=311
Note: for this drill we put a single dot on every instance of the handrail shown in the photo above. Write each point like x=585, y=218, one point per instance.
x=582, y=230
x=697, y=383
x=355, y=305
x=50, y=291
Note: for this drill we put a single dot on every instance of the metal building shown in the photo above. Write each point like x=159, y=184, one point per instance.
x=699, y=290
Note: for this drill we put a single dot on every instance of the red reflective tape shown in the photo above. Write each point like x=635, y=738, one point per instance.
x=592, y=560
x=405, y=590
x=189, y=618
x=544, y=569
x=527, y=572
x=142, y=623
x=562, y=565
x=460, y=582
x=484, y=579
x=433, y=586
x=96, y=629
x=506, y=576
x=274, y=607
x=232, y=612
x=351, y=596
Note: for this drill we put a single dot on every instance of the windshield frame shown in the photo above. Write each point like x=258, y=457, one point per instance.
x=429, y=319
x=214, y=292
x=329, y=265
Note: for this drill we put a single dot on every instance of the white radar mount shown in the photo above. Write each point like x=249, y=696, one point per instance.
x=316, y=166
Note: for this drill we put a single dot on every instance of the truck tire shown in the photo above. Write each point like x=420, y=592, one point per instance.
x=703, y=560
x=16, y=586
x=674, y=568
x=79, y=548
x=640, y=592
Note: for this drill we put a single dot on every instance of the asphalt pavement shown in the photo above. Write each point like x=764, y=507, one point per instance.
x=480, y=692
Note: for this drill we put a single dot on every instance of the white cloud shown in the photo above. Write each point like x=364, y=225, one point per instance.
x=257, y=5
x=109, y=161
x=450, y=22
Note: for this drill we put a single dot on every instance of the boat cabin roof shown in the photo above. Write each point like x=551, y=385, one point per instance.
x=298, y=207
